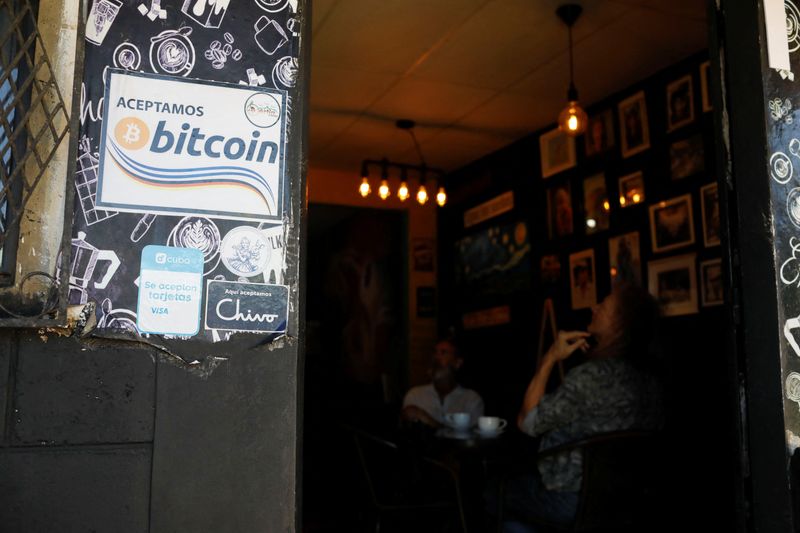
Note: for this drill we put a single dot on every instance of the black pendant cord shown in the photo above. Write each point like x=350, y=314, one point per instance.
x=418, y=148
x=572, y=92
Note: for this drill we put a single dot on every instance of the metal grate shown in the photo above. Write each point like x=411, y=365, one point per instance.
x=33, y=115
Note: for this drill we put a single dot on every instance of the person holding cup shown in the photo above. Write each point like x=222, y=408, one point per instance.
x=443, y=401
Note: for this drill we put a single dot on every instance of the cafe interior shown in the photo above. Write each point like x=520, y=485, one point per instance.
x=489, y=171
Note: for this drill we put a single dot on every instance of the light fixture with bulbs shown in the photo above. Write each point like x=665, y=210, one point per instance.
x=572, y=119
x=402, y=191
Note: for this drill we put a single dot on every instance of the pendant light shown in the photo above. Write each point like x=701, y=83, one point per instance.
x=572, y=119
x=364, y=189
x=402, y=191
x=383, y=190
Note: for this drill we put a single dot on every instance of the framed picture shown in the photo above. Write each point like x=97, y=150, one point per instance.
x=426, y=302
x=550, y=269
x=687, y=157
x=600, y=133
x=671, y=224
x=557, y=151
x=633, y=125
x=704, y=71
x=673, y=283
x=596, y=206
x=423, y=252
x=711, y=282
x=709, y=202
x=680, y=103
x=559, y=210
x=624, y=259
x=582, y=279
x=631, y=189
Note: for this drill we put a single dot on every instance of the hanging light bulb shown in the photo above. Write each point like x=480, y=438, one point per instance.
x=422, y=194
x=364, y=189
x=441, y=197
x=572, y=120
x=403, y=192
x=383, y=190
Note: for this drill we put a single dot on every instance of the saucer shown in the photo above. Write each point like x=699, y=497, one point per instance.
x=450, y=433
x=489, y=434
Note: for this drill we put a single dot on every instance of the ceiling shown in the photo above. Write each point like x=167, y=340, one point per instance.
x=474, y=74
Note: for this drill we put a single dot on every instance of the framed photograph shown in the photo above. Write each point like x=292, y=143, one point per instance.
x=557, y=151
x=423, y=253
x=711, y=283
x=680, y=103
x=687, y=157
x=633, y=126
x=596, y=206
x=600, y=133
x=704, y=72
x=582, y=279
x=631, y=189
x=550, y=269
x=671, y=223
x=624, y=259
x=673, y=283
x=709, y=202
x=559, y=210
x=426, y=302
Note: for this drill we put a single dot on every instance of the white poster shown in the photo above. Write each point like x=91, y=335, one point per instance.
x=182, y=147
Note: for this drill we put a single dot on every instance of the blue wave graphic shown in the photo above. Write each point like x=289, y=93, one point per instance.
x=194, y=176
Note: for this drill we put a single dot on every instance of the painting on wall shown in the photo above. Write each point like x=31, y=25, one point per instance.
x=583, y=286
x=596, y=206
x=495, y=260
x=704, y=72
x=671, y=223
x=680, y=103
x=624, y=259
x=711, y=282
x=550, y=267
x=634, y=128
x=687, y=157
x=673, y=284
x=557, y=151
x=423, y=251
x=631, y=189
x=559, y=210
x=600, y=133
x=709, y=201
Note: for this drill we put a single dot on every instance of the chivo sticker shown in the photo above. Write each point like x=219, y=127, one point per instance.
x=174, y=146
x=237, y=306
x=170, y=290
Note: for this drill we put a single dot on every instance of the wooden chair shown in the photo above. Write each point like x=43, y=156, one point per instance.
x=400, y=483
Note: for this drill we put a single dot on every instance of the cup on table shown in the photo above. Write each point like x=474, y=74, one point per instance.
x=459, y=421
x=491, y=424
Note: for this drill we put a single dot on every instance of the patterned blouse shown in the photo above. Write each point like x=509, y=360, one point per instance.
x=598, y=396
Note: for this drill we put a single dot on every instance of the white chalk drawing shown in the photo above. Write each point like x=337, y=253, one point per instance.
x=84, y=261
x=127, y=56
x=792, y=386
x=792, y=25
x=284, y=73
x=218, y=53
x=293, y=25
x=86, y=183
x=276, y=6
x=94, y=113
x=171, y=52
x=781, y=167
x=781, y=110
x=792, y=324
x=101, y=17
x=269, y=36
x=207, y=13
x=200, y=233
x=245, y=251
x=790, y=266
x=154, y=11
x=253, y=79
x=143, y=226
x=793, y=206
x=111, y=318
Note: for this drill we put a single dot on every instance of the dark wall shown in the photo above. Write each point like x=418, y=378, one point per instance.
x=502, y=358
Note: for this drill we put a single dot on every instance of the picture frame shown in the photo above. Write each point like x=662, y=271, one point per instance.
x=557, y=151
x=709, y=203
x=680, y=103
x=599, y=137
x=625, y=259
x=550, y=269
x=633, y=124
x=596, y=207
x=672, y=224
x=706, y=97
x=712, y=292
x=673, y=283
x=559, y=210
x=631, y=189
x=582, y=279
x=423, y=252
x=687, y=157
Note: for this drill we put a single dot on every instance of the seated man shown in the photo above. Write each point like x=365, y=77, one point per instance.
x=430, y=403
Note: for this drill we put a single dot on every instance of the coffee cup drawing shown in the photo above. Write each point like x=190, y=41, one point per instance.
x=491, y=424
x=269, y=35
x=459, y=421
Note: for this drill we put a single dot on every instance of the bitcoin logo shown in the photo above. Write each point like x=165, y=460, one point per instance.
x=131, y=133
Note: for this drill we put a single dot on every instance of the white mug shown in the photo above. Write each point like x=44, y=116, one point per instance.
x=490, y=424
x=458, y=420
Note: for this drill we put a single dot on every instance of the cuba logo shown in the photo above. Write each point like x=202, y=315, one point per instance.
x=262, y=110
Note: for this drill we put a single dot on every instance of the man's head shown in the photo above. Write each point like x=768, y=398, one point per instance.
x=446, y=362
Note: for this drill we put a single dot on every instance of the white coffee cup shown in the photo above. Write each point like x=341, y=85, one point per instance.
x=459, y=421
x=491, y=424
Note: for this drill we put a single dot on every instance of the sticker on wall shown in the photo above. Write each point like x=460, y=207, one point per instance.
x=284, y=73
x=101, y=17
x=172, y=53
x=253, y=307
x=170, y=290
x=207, y=13
x=792, y=387
x=172, y=146
x=245, y=251
x=201, y=234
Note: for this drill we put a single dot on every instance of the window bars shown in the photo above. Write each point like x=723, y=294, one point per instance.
x=33, y=115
